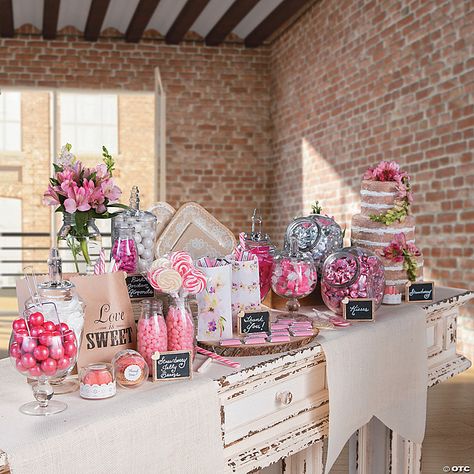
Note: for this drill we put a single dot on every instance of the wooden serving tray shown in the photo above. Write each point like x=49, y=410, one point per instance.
x=245, y=350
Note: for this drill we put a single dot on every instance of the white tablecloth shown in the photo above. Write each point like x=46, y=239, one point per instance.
x=171, y=428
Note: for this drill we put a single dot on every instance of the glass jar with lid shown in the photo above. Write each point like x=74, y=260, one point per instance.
x=144, y=229
x=316, y=234
x=124, y=250
x=352, y=273
x=258, y=243
x=294, y=275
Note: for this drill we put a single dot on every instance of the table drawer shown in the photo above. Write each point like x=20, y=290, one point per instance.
x=273, y=399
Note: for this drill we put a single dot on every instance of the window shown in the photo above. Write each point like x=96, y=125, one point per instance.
x=89, y=121
x=10, y=121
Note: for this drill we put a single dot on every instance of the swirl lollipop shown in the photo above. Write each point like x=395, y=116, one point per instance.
x=181, y=262
x=194, y=281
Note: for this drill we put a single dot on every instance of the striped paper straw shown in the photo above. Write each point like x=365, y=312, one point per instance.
x=218, y=358
x=99, y=267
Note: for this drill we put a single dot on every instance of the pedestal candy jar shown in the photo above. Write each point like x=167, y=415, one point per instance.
x=144, y=229
x=316, y=234
x=259, y=244
x=352, y=273
x=294, y=275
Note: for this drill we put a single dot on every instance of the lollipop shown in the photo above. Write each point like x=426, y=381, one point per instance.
x=194, y=281
x=181, y=262
x=169, y=280
x=161, y=262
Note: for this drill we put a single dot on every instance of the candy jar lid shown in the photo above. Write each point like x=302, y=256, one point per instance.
x=131, y=369
x=135, y=207
x=256, y=236
x=307, y=232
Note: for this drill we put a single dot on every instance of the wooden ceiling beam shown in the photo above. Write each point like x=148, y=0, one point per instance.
x=95, y=19
x=273, y=21
x=187, y=16
x=50, y=18
x=7, y=29
x=231, y=18
x=140, y=20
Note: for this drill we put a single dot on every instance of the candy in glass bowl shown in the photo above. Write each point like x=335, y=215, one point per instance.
x=352, y=273
x=294, y=275
x=42, y=350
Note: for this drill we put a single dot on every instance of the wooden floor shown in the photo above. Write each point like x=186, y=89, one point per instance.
x=449, y=439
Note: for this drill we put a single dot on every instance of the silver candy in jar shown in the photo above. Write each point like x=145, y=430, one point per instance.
x=317, y=235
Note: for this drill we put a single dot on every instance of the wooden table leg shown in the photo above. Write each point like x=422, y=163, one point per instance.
x=308, y=461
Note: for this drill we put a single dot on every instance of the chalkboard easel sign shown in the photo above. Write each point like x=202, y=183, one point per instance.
x=253, y=321
x=420, y=291
x=138, y=287
x=172, y=365
x=358, y=309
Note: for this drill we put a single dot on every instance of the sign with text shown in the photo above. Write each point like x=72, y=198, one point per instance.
x=419, y=291
x=359, y=309
x=172, y=365
x=138, y=287
x=254, y=321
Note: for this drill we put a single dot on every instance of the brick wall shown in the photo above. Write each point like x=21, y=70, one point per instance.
x=355, y=82
x=218, y=120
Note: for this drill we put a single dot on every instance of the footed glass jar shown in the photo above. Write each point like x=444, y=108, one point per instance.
x=352, y=273
x=152, y=333
x=124, y=250
x=259, y=244
x=316, y=234
x=180, y=325
x=294, y=275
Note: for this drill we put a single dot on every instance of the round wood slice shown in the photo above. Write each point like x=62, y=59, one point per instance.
x=245, y=350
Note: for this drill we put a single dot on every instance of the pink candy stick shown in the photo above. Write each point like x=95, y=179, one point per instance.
x=218, y=358
x=254, y=340
x=279, y=338
x=230, y=342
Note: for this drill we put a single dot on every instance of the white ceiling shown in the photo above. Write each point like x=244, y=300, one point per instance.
x=120, y=12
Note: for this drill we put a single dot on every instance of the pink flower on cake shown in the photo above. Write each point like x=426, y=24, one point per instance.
x=399, y=250
x=386, y=171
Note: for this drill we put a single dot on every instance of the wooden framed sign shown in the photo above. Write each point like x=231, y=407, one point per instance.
x=138, y=287
x=172, y=365
x=419, y=291
x=253, y=321
x=358, y=309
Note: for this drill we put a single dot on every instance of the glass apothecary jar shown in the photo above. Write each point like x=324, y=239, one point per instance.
x=352, y=273
x=124, y=250
x=180, y=325
x=144, y=229
x=258, y=243
x=316, y=234
x=152, y=335
x=294, y=275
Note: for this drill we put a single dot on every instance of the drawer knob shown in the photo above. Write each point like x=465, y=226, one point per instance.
x=285, y=398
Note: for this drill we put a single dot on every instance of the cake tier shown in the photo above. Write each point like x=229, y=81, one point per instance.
x=377, y=197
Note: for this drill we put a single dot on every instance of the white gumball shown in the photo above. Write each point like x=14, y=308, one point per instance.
x=140, y=249
x=145, y=232
x=147, y=254
x=137, y=237
x=147, y=243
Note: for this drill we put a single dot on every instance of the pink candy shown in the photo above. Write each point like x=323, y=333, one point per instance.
x=194, y=281
x=152, y=337
x=179, y=323
x=125, y=254
x=293, y=279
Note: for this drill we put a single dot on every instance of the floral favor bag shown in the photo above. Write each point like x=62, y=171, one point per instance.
x=214, y=303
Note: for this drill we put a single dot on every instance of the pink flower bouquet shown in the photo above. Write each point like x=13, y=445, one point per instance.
x=399, y=250
x=85, y=193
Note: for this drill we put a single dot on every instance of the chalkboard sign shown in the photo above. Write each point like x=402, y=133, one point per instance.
x=359, y=309
x=254, y=321
x=138, y=287
x=420, y=291
x=172, y=365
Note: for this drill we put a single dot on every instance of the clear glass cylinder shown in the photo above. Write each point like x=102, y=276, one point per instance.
x=152, y=335
x=124, y=249
x=180, y=325
x=78, y=248
x=352, y=273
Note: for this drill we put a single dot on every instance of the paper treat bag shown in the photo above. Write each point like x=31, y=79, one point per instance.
x=214, y=304
x=109, y=325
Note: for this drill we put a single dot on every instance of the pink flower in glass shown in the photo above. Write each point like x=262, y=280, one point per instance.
x=78, y=199
x=110, y=190
x=50, y=197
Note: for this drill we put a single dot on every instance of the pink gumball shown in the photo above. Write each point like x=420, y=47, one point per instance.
x=28, y=344
x=56, y=351
x=20, y=335
x=70, y=348
x=19, y=324
x=35, y=371
x=36, y=319
x=49, y=326
x=62, y=327
x=46, y=338
x=41, y=353
x=36, y=331
x=15, y=350
x=69, y=336
x=27, y=360
x=64, y=363
x=19, y=366
x=49, y=366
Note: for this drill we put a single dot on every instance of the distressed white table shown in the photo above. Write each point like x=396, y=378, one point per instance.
x=274, y=411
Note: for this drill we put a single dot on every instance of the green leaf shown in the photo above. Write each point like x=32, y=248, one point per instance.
x=57, y=168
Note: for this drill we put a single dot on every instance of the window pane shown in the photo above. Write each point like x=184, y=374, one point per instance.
x=10, y=121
